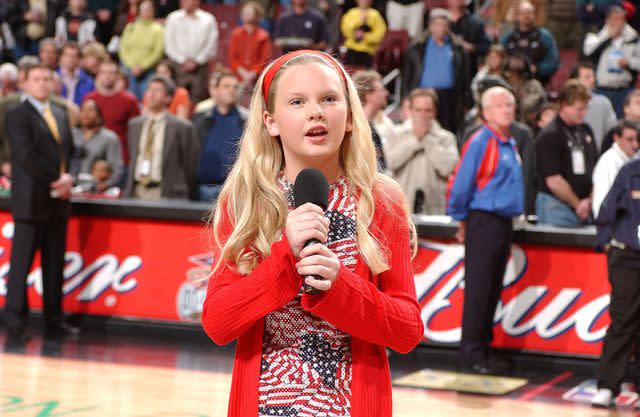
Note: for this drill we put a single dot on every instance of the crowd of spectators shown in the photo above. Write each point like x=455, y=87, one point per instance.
x=154, y=88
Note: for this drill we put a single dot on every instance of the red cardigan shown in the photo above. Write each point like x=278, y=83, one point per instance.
x=377, y=310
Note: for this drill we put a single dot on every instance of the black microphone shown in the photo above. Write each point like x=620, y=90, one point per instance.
x=311, y=186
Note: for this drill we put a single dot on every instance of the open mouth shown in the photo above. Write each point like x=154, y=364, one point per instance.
x=317, y=132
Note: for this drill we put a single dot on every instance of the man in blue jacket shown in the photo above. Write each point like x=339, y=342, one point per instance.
x=618, y=226
x=76, y=83
x=486, y=192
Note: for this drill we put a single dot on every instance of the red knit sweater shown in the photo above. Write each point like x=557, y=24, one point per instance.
x=377, y=310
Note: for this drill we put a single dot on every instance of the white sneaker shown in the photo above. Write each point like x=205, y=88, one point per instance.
x=603, y=399
x=627, y=387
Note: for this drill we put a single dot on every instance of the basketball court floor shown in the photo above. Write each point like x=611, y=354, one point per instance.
x=123, y=375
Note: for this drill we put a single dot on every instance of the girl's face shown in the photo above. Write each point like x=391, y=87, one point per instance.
x=311, y=116
x=89, y=114
x=163, y=71
x=494, y=61
x=146, y=10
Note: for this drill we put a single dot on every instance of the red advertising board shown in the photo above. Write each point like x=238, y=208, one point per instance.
x=555, y=298
x=125, y=267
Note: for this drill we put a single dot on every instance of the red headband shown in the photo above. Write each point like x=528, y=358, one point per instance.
x=275, y=67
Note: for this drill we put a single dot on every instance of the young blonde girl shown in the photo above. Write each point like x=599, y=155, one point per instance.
x=300, y=354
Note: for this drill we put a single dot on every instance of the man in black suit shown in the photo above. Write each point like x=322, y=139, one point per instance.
x=41, y=143
x=165, y=149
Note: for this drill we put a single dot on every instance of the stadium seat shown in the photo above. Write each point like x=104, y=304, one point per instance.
x=392, y=49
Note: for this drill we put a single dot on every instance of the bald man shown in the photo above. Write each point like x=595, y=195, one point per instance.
x=537, y=43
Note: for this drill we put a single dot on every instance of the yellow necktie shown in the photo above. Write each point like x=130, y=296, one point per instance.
x=50, y=119
x=148, y=146
x=147, y=152
x=51, y=122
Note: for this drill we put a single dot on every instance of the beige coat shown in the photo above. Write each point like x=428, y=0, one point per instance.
x=423, y=164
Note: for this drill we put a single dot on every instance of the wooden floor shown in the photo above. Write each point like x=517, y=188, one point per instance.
x=35, y=386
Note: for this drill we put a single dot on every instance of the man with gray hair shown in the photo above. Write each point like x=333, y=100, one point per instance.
x=165, y=149
x=48, y=52
x=8, y=79
x=8, y=101
x=485, y=194
x=447, y=72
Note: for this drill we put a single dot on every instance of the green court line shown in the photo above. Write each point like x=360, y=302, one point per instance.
x=43, y=408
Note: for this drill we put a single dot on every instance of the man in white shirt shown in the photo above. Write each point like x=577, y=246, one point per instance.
x=191, y=39
x=625, y=148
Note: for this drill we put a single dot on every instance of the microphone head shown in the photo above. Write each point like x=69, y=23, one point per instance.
x=311, y=186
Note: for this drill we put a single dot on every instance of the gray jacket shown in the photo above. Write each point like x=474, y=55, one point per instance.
x=422, y=165
x=180, y=157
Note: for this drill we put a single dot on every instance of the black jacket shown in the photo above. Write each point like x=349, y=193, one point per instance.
x=204, y=120
x=15, y=12
x=619, y=216
x=413, y=67
x=35, y=161
x=471, y=28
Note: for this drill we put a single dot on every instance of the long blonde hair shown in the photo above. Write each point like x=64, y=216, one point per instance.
x=255, y=206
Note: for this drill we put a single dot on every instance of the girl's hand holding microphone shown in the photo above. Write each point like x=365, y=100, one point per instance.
x=316, y=262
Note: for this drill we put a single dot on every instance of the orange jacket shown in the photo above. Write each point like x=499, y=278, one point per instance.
x=251, y=51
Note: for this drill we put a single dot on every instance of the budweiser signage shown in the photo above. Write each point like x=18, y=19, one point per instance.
x=555, y=299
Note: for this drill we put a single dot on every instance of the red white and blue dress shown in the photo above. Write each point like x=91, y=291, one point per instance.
x=306, y=361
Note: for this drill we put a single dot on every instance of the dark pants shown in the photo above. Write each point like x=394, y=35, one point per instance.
x=487, y=247
x=624, y=309
x=447, y=109
x=31, y=48
x=196, y=82
x=50, y=237
x=104, y=30
x=358, y=59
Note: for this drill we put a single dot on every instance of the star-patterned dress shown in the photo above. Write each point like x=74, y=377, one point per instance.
x=306, y=361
